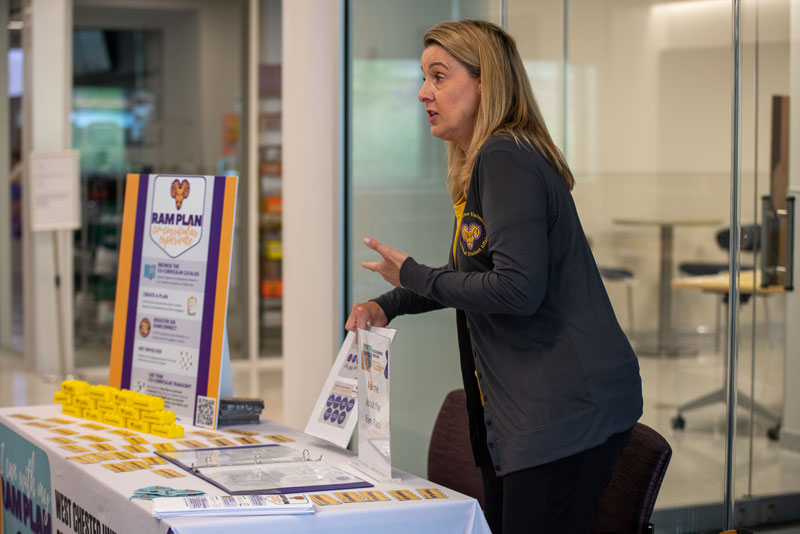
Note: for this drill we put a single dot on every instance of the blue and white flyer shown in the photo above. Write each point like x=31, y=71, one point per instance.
x=335, y=414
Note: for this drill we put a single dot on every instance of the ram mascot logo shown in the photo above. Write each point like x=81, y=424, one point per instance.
x=177, y=214
x=179, y=191
x=470, y=233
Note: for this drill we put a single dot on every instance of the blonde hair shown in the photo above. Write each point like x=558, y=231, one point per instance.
x=507, y=103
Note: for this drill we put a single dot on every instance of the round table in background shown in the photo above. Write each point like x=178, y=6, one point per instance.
x=665, y=343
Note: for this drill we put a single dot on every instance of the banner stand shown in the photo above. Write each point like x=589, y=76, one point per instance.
x=225, y=375
x=170, y=335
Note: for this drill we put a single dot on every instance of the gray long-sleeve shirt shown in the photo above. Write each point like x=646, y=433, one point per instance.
x=557, y=373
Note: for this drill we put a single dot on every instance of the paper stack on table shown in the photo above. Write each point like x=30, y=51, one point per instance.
x=231, y=505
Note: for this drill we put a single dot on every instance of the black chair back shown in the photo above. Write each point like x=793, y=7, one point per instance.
x=627, y=502
x=450, y=460
x=749, y=238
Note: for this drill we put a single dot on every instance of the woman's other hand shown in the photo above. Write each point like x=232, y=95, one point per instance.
x=389, y=266
x=363, y=313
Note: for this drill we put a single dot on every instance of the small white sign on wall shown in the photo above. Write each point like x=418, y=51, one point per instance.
x=54, y=190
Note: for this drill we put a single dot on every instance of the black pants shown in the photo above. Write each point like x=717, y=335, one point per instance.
x=558, y=497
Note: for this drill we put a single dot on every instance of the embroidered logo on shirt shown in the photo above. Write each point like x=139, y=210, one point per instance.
x=473, y=236
x=470, y=233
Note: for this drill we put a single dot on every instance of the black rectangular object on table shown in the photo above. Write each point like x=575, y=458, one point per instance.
x=239, y=411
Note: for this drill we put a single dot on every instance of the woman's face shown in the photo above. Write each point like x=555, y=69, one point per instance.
x=450, y=96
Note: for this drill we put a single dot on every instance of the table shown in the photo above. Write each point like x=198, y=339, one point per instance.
x=665, y=343
x=98, y=498
x=721, y=283
x=749, y=283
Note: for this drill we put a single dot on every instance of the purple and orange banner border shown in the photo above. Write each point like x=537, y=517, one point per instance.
x=216, y=285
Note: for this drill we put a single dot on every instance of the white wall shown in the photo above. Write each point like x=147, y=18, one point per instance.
x=47, y=42
x=311, y=200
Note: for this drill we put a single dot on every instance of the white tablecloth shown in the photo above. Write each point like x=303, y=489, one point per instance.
x=104, y=494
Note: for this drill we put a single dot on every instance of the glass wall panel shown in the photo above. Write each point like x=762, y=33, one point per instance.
x=115, y=109
x=270, y=169
x=11, y=313
x=638, y=96
x=767, y=466
x=648, y=121
x=138, y=107
x=397, y=194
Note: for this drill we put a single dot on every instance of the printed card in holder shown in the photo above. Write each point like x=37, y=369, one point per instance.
x=374, y=435
x=263, y=469
x=335, y=414
x=169, y=337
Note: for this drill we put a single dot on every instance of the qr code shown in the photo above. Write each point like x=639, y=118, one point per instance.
x=206, y=409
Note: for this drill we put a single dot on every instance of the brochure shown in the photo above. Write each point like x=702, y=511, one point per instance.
x=231, y=505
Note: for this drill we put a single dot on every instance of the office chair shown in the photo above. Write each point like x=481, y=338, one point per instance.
x=626, y=504
x=450, y=460
x=750, y=241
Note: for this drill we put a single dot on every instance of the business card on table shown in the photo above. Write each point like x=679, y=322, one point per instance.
x=323, y=499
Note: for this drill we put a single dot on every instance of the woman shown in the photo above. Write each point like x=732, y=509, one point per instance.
x=553, y=386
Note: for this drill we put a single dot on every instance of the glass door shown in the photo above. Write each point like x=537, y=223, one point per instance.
x=115, y=110
x=767, y=423
x=647, y=133
x=11, y=312
x=137, y=106
x=639, y=97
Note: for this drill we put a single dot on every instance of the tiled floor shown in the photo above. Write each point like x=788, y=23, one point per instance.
x=696, y=472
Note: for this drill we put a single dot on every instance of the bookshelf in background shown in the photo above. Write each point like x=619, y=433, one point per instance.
x=270, y=209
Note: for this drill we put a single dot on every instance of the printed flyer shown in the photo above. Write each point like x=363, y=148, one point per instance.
x=172, y=290
x=335, y=414
x=374, y=430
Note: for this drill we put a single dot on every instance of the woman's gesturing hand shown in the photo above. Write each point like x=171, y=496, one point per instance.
x=389, y=266
x=363, y=313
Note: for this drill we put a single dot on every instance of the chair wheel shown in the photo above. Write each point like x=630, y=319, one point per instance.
x=774, y=432
x=678, y=422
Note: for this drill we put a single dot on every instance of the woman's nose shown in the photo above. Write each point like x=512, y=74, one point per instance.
x=424, y=93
